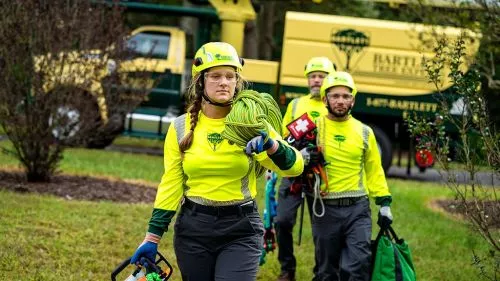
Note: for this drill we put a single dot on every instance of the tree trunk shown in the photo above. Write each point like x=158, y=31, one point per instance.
x=190, y=26
x=37, y=176
x=266, y=25
x=251, y=40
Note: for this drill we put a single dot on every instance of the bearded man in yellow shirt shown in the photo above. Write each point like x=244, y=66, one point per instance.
x=354, y=171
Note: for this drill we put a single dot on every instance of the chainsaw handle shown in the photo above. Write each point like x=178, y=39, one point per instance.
x=154, y=265
x=120, y=268
x=169, y=266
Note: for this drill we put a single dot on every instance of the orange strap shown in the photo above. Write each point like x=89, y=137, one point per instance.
x=319, y=170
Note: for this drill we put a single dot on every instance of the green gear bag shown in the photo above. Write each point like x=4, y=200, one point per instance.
x=391, y=258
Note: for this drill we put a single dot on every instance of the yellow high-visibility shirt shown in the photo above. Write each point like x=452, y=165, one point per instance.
x=354, y=167
x=298, y=106
x=212, y=171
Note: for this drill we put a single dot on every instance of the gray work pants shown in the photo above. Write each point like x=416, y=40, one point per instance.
x=286, y=217
x=342, y=239
x=216, y=248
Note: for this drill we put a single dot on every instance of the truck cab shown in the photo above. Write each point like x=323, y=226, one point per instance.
x=159, y=50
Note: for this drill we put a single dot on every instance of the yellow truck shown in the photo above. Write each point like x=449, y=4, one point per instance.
x=98, y=88
x=384, y=57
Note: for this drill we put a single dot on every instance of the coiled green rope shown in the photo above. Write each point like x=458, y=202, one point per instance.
x=251, y=114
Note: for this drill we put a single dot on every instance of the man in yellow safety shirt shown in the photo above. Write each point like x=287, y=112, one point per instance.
x=354, y=171
x=316, y=69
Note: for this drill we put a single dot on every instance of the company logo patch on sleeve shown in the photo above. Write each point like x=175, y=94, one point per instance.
x=301, y=126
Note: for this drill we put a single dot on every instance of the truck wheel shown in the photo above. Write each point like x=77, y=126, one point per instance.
x=105, y=135
x=75, y=119
x=101, y=142
x=384, y=147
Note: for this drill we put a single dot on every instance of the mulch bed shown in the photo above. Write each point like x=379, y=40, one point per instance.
x=457, y=208
x=81, y=188
x=99, y=189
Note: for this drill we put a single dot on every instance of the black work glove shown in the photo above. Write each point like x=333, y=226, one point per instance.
x=315, y=156
x=311, y=156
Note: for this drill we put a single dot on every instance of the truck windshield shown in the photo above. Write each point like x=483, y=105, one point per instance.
x=149, y=44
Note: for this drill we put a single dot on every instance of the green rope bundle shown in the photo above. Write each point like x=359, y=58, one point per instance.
x=250, y=114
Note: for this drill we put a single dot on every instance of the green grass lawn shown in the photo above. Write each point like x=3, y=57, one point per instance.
x=49, y=238
x=104, y=163
x=139, y=142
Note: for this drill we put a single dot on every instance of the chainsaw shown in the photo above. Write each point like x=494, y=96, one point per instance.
x=145, y=270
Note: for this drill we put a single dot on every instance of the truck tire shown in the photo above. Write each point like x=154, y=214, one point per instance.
x=80, y=123
x=106, y=134
x=384, y=146
x=101, y=142
x=75, y=119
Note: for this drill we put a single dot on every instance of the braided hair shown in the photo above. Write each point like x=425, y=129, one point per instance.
x=194, y=99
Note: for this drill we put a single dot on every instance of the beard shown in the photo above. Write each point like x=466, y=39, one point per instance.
x=339, y=113
x=315, y=95
x=314, y=91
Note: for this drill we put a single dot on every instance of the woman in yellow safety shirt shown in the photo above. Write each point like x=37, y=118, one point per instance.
x=218, y=231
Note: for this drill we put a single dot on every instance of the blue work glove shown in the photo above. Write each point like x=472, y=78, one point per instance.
x=258, y=145
x=148, y=248
x=384, y=217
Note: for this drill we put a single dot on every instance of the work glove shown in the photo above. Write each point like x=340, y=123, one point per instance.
x=148, y=248
x=384, y=217
x=310, y=155
x=306, y=155
x=257, y=144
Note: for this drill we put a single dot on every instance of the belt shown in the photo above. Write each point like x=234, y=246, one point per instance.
x=343, y=202
x=221, y=211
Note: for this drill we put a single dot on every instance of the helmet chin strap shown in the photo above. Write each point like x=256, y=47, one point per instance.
x=219, y=104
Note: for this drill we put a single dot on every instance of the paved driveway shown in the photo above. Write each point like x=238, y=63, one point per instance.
x=484, y=178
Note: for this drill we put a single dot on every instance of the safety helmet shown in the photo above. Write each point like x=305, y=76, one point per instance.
x=216, y=54
x=338, y=78
x=319, y=64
